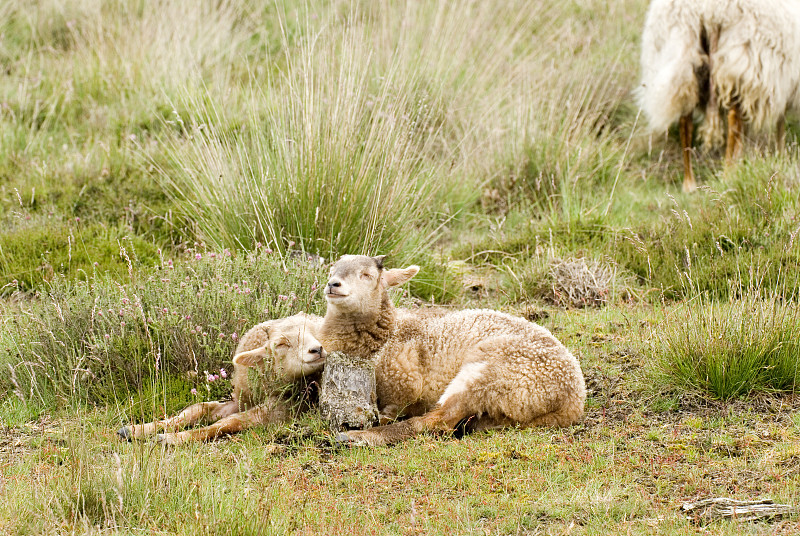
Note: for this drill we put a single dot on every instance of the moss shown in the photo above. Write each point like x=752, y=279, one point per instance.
x=34, y=255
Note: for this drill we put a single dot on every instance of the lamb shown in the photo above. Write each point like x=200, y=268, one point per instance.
x=443, y=368
x=739, y=55
x=287, y=356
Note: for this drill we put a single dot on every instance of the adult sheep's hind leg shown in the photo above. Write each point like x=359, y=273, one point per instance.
x=686, y=128
x=780, y=134
x=733, y=150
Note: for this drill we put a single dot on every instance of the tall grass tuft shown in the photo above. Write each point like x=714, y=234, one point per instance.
x=385, y=122
x=735, y=347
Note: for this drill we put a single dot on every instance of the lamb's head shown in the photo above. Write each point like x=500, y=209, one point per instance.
x=358, y=283
x=291, y=350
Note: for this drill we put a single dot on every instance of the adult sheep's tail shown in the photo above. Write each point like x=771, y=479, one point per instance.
x=672, y=56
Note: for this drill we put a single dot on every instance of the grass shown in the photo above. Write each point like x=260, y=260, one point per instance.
x=491, y=142
x=731, y=349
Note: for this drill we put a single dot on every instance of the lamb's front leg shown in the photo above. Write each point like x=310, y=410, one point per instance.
x=202, y=411
x=444, y=418
x=274, y=412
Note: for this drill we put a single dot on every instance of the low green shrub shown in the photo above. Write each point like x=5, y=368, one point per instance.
x=101, y=340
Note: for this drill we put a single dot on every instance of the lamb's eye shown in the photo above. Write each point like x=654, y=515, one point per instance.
x=366, y=276
x=313, y=351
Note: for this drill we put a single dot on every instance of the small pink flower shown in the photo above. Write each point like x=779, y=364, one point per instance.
x=268, y=250
x=210, y=378
x=169, y=262
x=108, y=336
x=258, y=245
x=122, y=324
x=198, y=256
x=227, y=252
x=193, y=391
x=205, y=334
x=125, y=301
x=283, y=297
x=221, y=335
x=216, y=377
x=223, y=373
x=165, y=310
x=99, y=313
x=234, y=336
x=212, y=255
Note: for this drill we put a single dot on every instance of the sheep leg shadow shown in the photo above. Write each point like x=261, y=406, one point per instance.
x=200, y=412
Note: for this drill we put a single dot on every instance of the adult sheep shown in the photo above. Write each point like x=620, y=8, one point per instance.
x=441, y=369
x=742, y=56
x=286, y=356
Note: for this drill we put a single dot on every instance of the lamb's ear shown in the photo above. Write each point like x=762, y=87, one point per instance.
x=250, y=358
x=398, y=276
x=379, y=260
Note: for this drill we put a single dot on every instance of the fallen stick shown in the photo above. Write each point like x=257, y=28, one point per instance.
x=722, y=507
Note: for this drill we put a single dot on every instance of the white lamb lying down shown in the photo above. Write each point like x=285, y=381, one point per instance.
x=287, y=356
x=738, y=55
x=441, y=369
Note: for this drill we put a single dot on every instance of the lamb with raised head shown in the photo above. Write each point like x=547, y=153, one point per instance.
x=443, y=368
x=742, y=56
x=286, y=356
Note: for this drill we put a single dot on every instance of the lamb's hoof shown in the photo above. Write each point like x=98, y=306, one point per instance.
x=345, y=439
x=125, y=434
x=165, y=439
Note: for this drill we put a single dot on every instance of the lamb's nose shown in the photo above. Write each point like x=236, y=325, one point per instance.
x=332, y=284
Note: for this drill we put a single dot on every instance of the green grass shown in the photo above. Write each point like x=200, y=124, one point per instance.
x=487, y=142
